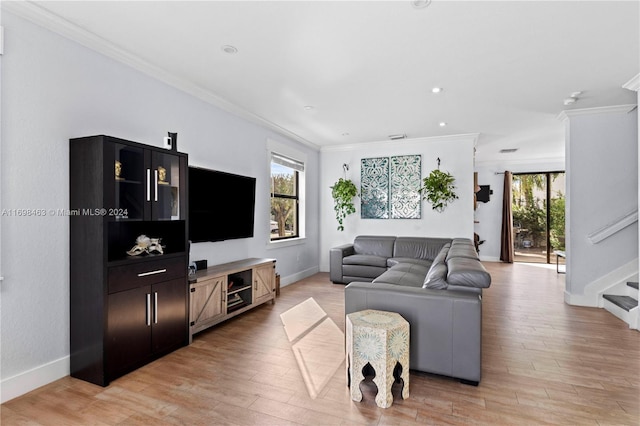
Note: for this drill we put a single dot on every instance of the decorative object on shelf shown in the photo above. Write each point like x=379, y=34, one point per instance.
x=343, y=192
x=162, y=176
x=438, y=188
x=146, y=245
x=155, y=247
x=192, y=272
x=174, y=141
x=119, y=170
x=390, y=187
x=142, y=244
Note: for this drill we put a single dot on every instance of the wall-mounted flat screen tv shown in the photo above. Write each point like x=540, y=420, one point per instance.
x=221, y=205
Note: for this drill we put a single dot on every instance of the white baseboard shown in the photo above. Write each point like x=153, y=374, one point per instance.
x=593, y=291
x=22, y=383
x=590, y=300
x=290, y=279
x=489, y=259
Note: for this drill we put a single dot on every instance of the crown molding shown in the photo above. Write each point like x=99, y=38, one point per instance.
x=45, y=19
x=599, y=110
x=522, y=164
x=404, y=142
x=633, y=84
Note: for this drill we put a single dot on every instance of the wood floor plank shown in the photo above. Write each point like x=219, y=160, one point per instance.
x=544, y=362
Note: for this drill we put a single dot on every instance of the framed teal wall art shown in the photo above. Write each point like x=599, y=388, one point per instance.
x=405, y=180
x=389, y=187
x=374, y=188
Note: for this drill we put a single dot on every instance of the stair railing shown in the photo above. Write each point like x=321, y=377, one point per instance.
x=613, y=227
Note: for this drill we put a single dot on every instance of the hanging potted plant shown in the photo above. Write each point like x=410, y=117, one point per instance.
x=343, y=192
x=438, y=189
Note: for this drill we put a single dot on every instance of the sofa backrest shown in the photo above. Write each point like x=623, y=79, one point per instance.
x=374, y=244
x=461, y=247
x=419, y=248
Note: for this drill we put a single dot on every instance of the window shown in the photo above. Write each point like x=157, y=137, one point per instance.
x=287, y=181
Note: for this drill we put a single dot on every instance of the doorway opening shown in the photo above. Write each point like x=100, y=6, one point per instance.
x=538, y=209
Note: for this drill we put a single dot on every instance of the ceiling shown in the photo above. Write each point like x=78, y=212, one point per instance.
x=336, y=73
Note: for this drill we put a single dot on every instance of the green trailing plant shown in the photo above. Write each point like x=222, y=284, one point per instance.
x=343, y=192
x=438, y=189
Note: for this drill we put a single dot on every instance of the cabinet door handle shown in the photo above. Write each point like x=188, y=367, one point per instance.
x=148, y=184
x=155, y=174
x=146, y=274
x=256, y=285
x=155, y=307
x=149, y=309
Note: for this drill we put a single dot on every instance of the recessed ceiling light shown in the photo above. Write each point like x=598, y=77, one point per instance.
x=442, y=124
x=231, y=50
x=436, y=89
x=420, y=4
x=308, y=107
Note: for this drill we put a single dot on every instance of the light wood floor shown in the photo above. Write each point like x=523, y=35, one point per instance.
x=544, y=362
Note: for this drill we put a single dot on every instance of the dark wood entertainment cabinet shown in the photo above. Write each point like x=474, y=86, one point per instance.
x=125, y=311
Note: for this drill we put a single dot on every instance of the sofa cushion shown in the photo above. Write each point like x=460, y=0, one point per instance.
x=442, y=256
x=401, y=278
x=418, y=248
x=462, y=250
x=437, y=275
x=464, y=241
x=415, y=268
x=401, y=260
x=467, y=272
x=362, y=271
x=365, y=259
x=376, y=245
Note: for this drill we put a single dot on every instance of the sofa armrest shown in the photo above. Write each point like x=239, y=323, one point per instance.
x=336, y=254
x=445, y=325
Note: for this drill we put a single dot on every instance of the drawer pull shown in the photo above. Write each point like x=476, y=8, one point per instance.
x=155, y=173
x=146, y=274
x=148, y=184
x=149, y=309
x=155, y=307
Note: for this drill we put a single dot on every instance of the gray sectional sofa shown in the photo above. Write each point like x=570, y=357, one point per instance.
x=434, y=283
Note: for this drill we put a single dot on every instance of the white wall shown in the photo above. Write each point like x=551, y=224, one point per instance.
x=456, y=154
x=54, y=89
x=489, y=215
x=602, y=186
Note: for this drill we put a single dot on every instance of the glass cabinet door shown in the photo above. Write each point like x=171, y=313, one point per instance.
x=167, y=186
x=129, y=181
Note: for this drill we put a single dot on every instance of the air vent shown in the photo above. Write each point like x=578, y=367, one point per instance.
x=508, y=150
x=396, y=137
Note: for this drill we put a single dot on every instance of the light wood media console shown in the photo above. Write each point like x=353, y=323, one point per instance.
x=223, y=291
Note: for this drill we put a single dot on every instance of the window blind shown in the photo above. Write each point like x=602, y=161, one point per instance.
x=287, y=162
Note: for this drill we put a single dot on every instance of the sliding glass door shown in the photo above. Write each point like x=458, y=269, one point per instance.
x=538, y=216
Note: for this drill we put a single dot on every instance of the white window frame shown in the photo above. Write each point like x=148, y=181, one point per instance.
x=275, y=147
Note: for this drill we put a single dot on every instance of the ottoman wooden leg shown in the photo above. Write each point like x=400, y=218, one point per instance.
x=384, y=380
x=405, y=380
